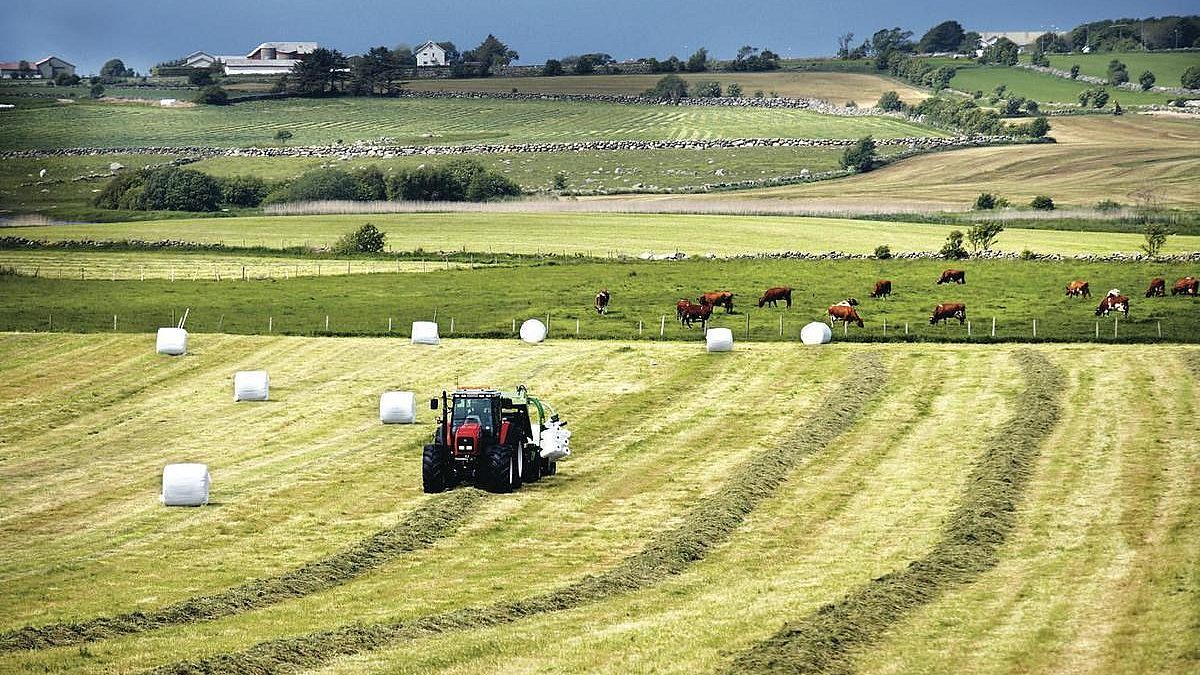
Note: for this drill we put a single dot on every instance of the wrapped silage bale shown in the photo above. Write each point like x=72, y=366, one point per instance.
x=251, y=385
x=555, y=441
x=185, y=485
x=171, y=341
x=425, y=333
x=533, y=331
x=397, y=407
x=816, y=333
x=719, y=339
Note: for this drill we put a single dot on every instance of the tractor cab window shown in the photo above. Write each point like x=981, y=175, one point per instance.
x=473, y=410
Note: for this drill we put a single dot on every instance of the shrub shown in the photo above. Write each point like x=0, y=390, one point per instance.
x=1117, y=110
x=1096, y=98
x=366, y=239
x=1155, y=235
x=560, y=180
x=1146, y=80
x=734, y=90
x=552, y=68
x=758, y=93
x=1031, y=107
x=890, y=100
x=316, y=185
x=883, y=252
x=247, y=191
x=986, y=201
x=96, y=91
x=215, y=95
x=486, y=187
x=668, y=88
x=1026, y=254
x=849, y=104
x=1038, y=128
x=110, y=196
x=1117, y=73
x=283, y=136
x=1042, y=203
x=1074, y=71
x=369, y=185
x=953, y=248
x=200, y=77
x=1190, y=78
x=982, y=235
x=1107, y=206
x=706, y=89
x=860, y=156
x=175, y=189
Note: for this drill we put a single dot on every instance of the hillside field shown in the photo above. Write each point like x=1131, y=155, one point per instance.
x=1043, y=87
x=1166, y=66
x=864, y=467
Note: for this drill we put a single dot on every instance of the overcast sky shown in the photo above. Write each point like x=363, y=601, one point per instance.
x=146, y=32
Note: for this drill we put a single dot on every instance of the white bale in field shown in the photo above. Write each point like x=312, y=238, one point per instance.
x=172, y=341
x=397, y=407
x=425, y=333
x=816, y=333
x=185, y=485
x=533, y=331
x=555, y=441
x=719, y=339
x=251, y=385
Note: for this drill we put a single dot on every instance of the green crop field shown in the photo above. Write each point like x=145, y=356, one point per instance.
x=419, y=121
x=492, y=301
x=597, y=234
x=710, y=501
x=1166, y=66
x=1041, y=87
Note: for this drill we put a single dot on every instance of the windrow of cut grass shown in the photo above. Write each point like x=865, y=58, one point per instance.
x=825, y=641
x=433, y=520
x=671, y=552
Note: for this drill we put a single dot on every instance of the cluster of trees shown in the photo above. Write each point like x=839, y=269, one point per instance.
x=698, y=62
x=920, y=71
x=885, y=43
x=163, y=189
x=581, y=64
x=1003, y=52
x=1122, y=35
x=750, y=59
x=673, y=88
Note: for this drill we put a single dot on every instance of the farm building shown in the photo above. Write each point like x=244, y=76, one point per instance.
x=269, y=58
x=431, y=54
x=203, y=60
x=46, y=69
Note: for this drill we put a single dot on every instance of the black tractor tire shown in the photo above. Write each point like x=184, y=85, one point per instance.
x=436, y=470
x=499, y=470
x=533, y=465
x=549, y=467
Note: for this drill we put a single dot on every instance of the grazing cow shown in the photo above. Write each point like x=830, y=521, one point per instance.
x=949, y=310
x=1078, y=289
x=883, y=288
x=775, y=294
x=1113, y=302
x=1186, y=286
x=953, y=277
x=681, y=307
x=1158, y=288
x=718, y=299
x=846, y=313
x=693, y=313
x=602, y=299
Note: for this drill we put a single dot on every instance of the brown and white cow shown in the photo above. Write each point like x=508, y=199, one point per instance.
x=883, y=288
x=1113, y=302
x=949, y=310
x=602, y=299
x=775, y=294
x=681, y=307
x=846, y=313
x=693, y=313
x=1186, y=286
x=953, y=277
x=1158, y=288
x=718, y=299
x=1078, y=289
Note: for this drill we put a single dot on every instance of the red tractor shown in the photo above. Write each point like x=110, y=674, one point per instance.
x=488, y=437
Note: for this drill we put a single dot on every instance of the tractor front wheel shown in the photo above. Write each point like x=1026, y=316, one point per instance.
x=500, y=471
x=435, y=469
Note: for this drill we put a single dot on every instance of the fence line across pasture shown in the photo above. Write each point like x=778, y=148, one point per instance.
x=231, y=269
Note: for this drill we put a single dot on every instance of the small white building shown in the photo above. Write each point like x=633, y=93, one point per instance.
x=431, y=54
x=200, y=60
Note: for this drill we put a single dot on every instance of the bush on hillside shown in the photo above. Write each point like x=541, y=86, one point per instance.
x=164, y=189
x=1117, y=73
x=982, y=235
x=1038, y=128
x=212, y=95
x=668, y=88
x=953, y=248
x=316, y=185
x=1042, y=203
x=890, y=101
x=487, y=186
x=883, y=252
x=1190, y=78
x=366, y=239
x=369, y=184
x=456, y=181
x=986, y=201
x=1147, y=80
x=245, y=191
x=707, y=89
x=860, y=156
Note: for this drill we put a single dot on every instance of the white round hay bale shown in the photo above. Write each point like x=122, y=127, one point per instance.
x=425, y=333
x=719, y=339
x=816, y=333
x=251, y=385
x=185, y=485
x=171, y=341
x=533, y=331
x=397, y=407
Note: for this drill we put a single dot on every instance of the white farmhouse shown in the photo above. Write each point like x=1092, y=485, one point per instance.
x=431, y=54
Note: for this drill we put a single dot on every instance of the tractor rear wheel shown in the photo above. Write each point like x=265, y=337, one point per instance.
x=533, y=465
x=435, y=469
x=549, y=467
x=500, y=469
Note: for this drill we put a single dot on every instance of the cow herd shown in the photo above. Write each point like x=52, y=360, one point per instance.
x=688, y=312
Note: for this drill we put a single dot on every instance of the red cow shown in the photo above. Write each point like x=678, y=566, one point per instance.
x=602, y=299
x=1113, y=302
x=883, y=288
x=693, y=313
x=1158, y=287
x=1078, y=289
x=718, y=299
x=953, y=277
x=1186, y=286
x=681, y=307
x=846, y=313
x=775, y=294
x=949, y=310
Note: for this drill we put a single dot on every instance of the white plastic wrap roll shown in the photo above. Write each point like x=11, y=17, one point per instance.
x=719, y=339
x=171, y=341
x=397, y=407
x=185, y=485
x=533, y=331
x=251, y=385
x=425, y=333
x=816, y=333
x=555, y=441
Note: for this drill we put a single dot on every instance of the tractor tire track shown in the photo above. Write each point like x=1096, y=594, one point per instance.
x=436, y=519
x=825, y=640
x=710, y=523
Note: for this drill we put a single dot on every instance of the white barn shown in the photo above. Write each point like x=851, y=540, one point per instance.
x=431, y=54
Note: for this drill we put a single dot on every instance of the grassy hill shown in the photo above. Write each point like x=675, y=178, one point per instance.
x=1042, y=87
x=1094, y=569
x=1166, y=66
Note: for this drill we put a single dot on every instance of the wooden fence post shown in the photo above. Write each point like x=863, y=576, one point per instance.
x=662, y=325
x=993, y=326
x=326, y=323
x=270, y=324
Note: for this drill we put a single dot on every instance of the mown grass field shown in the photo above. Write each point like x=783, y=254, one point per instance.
x=1095, y=158
x=492, y=301
x=419, y=122
x=1043, y=87
x=1166, y=66
x=595, y=234
x=1095, y=571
